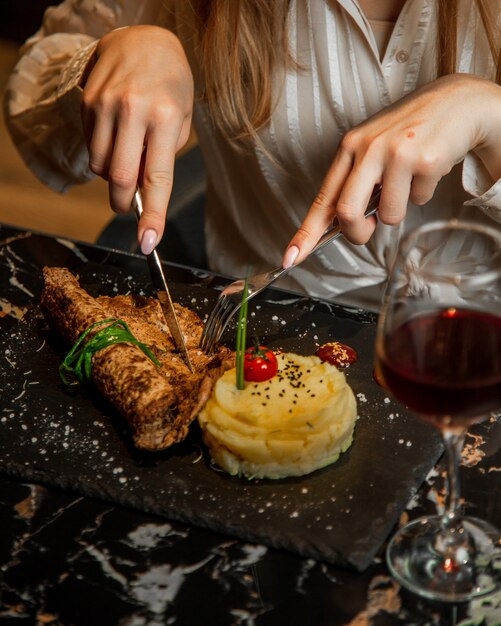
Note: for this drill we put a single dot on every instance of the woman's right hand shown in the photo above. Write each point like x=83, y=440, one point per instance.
x=137, y=106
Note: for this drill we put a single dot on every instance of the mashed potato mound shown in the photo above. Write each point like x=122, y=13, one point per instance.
x=296, y=422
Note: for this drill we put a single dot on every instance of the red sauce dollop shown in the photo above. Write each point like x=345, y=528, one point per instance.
x=337, y=354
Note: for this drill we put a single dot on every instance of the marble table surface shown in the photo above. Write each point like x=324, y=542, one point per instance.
x=71, y=559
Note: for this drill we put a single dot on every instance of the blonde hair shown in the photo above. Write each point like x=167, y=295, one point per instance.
x=238, y=44
x=447, y=34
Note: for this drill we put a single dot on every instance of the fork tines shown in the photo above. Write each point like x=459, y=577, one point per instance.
x=217, y=322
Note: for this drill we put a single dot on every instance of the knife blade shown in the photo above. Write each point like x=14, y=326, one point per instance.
x=162, y=291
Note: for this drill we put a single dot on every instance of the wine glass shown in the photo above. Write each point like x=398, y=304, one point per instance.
x=438, y=351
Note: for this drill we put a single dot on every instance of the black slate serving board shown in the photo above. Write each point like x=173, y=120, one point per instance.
x=73, y=439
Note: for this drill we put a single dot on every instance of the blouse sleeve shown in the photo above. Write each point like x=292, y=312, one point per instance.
x=42, y=97
x=485, y=191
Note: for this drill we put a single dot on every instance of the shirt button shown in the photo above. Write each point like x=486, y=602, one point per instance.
x=402, y=56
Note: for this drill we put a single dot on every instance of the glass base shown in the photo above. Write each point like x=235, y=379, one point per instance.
x=446, y=566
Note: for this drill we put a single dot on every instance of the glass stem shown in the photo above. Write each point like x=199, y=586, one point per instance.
x=454, y=441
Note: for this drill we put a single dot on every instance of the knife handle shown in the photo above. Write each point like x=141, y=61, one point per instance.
x=137, y=203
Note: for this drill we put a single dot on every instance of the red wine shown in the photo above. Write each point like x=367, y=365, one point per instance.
x=445, y=365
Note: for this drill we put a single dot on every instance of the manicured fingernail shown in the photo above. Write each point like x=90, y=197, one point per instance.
x=290, y=256
x=148, y=241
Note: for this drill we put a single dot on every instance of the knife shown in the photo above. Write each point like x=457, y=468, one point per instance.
x=162, y=291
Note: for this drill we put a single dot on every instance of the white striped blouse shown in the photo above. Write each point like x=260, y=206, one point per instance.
x=254, y=203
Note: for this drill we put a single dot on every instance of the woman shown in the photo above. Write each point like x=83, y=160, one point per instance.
x=301, y=107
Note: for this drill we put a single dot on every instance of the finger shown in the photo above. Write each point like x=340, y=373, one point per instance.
x=353, y=201
x=101, y=145
x=88, y=124
x=157, y=180
x=422, y=189
x=98, y=119
x=321, y=212
x=124, y=165
x=394, y=195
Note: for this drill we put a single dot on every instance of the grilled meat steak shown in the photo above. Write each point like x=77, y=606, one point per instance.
x=159, y=403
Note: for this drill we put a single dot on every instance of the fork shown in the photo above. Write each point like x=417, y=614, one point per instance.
x=230, y=299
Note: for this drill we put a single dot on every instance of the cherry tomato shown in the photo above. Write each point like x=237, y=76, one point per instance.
x=260, y=363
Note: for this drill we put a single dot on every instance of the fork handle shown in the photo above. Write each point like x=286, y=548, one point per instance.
x=335, y=231
x=327, y=237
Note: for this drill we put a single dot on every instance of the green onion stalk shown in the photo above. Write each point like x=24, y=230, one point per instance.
x=241, y=336
x=77, y=366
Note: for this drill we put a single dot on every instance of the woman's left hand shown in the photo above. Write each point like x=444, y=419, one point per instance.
x=407, y=148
